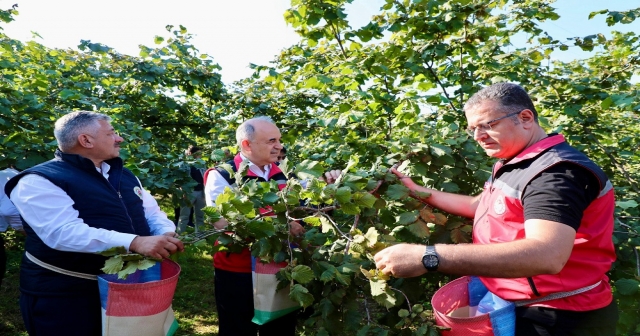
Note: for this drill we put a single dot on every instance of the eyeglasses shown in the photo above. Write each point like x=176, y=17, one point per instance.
x=486, y=126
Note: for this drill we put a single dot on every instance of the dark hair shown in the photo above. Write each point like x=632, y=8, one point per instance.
x=192, y=149
x=511, y=97
x=283, y=150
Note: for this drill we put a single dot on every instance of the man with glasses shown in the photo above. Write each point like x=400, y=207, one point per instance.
x=542, y=225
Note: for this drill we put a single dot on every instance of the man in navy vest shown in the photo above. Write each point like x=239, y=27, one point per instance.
x=82, y=202
x=259, y=142
x=542, y=225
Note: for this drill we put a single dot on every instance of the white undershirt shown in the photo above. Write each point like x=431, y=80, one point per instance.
x=216, y=183
x=49, y=212
x=9, y=215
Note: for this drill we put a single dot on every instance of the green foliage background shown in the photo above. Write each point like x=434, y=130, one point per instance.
x=390, y=90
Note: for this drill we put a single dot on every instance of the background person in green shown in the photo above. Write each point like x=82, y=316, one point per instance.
x=194, y=197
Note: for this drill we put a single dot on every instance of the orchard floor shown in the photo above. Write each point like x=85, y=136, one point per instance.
x=193, y=303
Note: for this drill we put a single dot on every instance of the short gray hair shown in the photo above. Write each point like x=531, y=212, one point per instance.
x=71, y=125
x=247, y=131
x=511, y=97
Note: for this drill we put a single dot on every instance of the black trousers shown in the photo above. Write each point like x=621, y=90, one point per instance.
x=539, y=321
x=234, y=300
x=78, y=315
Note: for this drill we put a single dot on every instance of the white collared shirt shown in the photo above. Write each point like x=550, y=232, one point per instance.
x=49, y=212
x=9, y=215
x=216, y=183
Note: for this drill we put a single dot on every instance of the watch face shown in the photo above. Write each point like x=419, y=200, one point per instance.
x=430, y=260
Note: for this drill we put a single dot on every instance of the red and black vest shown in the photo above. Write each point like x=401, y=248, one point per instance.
x=241, y=262
x=500, y=218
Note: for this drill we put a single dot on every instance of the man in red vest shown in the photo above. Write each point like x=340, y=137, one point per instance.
x=259, y=142
x=542, y=225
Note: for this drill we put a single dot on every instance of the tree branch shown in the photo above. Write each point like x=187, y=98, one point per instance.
x=353, y=227
x=446, y=94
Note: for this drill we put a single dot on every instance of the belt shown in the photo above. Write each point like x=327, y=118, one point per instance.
x=58, y=269
x=558, y=295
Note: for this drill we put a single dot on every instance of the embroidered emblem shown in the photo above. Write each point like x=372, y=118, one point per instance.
x=499, y=207
x=138, y=191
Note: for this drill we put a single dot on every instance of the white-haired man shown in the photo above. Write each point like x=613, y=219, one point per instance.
x=259, y=143
x=81, y=202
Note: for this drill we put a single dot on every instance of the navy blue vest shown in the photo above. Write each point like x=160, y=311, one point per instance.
x=113, y=204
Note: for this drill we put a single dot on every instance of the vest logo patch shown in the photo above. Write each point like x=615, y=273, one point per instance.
x=499, y=207
x=138, y=191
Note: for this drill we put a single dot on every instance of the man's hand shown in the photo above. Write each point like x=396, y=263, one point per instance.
x=221, y=224
x=171, y=234
x=401, y=261
x=157, y=247
x=406, y=180
x=295, y=229
x=331, y=176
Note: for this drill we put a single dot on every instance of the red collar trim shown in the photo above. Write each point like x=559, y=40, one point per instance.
x=274, y=169
x=538, y=147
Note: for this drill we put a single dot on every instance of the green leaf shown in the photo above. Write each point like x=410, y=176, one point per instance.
x=262, y=228
x=225, y=196
x=130, y=268
x=407, y=218
x=350, y=208
x=397, y=192
x=327, y=226
x=328, y=275
x=419, y=229
x=372, y=236
x=627, y=286
x=302, y=274
x=308, y=169
x=343, y=279
x=301, y=295
x=326, y=307
x=364, y=199
x=440, y=150
x=146, y=264
x=113, y=251
x=243, y=207
x=270, y=197
x=312, y=220
x=627, y=204
x=378, y=287
x=343, y=195
x=112, y=265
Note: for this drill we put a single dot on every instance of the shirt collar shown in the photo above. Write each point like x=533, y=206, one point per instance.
x=255, y=168
x=104, y=169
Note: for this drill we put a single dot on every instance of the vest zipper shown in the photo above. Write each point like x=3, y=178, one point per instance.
x=133, y=229
x=124, y=205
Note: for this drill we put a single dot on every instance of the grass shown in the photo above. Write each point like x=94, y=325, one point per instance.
x=193, y=303
x=10, y=318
